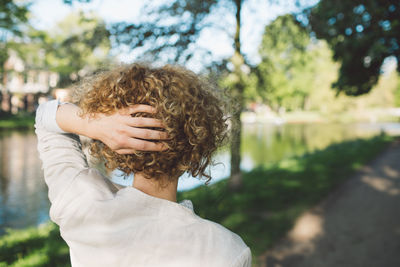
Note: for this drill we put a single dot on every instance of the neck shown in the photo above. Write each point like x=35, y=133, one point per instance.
x=154, y=188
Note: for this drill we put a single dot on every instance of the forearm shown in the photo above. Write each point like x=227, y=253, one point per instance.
x=119, y=131
x=68, y=120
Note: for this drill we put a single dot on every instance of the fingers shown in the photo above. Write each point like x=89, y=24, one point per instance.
x=141, y=121
x=143, y=145
x=144, y=122
x=157, y=147
x=140, y=108
x=139, y=136
x=146, y=134
x=125, y=151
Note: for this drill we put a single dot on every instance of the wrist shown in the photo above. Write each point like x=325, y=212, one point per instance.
x=69, y=120
x=89, y=127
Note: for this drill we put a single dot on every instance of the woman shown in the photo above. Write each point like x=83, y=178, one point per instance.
x=156, y=123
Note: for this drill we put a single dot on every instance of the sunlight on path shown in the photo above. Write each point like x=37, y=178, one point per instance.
x=358, y=225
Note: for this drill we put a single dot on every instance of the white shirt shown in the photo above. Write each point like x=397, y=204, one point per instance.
x=104, y=225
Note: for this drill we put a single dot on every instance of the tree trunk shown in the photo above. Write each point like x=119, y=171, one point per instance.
x=236, y=131
x=237, y=60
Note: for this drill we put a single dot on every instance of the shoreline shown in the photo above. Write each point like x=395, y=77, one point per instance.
x=17, y=122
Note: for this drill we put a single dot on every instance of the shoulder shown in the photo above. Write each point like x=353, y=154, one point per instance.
x=224, y=241
x=88, y=186
x=225, y=234
x=86, y=193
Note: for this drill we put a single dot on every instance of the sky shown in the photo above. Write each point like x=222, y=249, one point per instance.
x=256, y=15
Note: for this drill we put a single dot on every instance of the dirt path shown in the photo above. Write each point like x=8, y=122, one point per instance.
x=358, y=225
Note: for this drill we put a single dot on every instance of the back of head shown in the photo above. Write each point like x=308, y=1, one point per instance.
x=191, y=109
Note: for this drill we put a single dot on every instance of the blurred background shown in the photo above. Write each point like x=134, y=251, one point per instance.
x=317, y=92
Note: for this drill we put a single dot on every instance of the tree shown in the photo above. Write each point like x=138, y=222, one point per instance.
x=12, y=17
x=362, y=33
x=286, y=71
x=169, y=32
x=77, y=46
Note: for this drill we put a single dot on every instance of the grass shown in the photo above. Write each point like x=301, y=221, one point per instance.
x=261, y=212
x=34, y=246
x=20, y=121
x=271, y=198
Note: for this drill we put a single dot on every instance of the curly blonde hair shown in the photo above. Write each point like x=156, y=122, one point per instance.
x=192, y=110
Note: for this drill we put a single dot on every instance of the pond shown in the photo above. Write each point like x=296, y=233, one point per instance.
x=23, y=195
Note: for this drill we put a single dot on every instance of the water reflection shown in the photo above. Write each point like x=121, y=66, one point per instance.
x=265, y=144
x=23, y=192
x=23, y=197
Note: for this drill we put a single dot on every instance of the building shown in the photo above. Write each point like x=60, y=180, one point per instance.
x=22, y=85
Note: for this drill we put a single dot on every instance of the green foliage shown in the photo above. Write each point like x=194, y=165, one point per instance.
x=12, y=17
x=291, y=65
x=273, y=197
x=284, y=64
x=20, y=121
x=42, y=246
x=367, y=107
x=362, y=34
x=168, y=31
x=397, y=94
x=296, y=73
x=79, y=45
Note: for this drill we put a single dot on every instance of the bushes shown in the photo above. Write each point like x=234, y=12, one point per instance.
x=34, y=246
x=20, y=121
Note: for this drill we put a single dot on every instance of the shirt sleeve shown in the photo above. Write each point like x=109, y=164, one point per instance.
x=244, y=259
x=61, y=154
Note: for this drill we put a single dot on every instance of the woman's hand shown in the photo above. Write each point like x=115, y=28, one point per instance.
x=120, y=131
x=124, y=134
